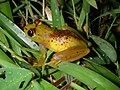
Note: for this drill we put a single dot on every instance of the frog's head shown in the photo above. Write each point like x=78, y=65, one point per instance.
x=32, y=31
x=37, y=31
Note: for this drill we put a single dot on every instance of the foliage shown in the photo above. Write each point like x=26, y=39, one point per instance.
x=97, y=20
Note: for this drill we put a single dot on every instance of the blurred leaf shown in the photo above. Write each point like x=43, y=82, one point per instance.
x=5, y=60
x=62, y=19
x=16, y=48
x=106, y=47
x=102, y=57
x=13, y=43
x=87, y=76
x=81, y=19
x=6, y=9
x=109, y=29
x=3, y=38
x=112, y=12
x=37, y=54
x=98, y=60
x=14, y=78
x=18, y=7
x=41, y=85
x=84, y=16
x=34, y=85
x=47, y=86
x=76, y=87
x=92, y=3
x=86, y=7
x=112, y=39
x=16, y=32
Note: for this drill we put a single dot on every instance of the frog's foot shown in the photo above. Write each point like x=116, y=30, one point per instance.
x=53, y=62
x=38, y=64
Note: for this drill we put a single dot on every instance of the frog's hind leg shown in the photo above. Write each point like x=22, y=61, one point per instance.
x=71, y=54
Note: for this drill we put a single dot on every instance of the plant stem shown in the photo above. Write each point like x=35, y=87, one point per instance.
x=74, y=12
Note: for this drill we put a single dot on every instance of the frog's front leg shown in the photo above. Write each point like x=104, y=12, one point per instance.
x=71, y=54
x=41, y=62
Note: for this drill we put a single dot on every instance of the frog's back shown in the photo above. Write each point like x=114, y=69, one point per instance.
x=63, y=39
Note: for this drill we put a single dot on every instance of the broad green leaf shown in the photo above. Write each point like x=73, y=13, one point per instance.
x=106, y=47
x=92, y=3
x=14, y=78
x=87, y=76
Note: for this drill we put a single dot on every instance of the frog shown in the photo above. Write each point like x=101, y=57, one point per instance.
x=66, y=45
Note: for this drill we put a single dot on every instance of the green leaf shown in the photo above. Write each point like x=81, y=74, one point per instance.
x=16, y=32
x=81, y=19
x=6, y=9
x=34, y=85
x=86, y=7
x=87, y=76
x=47, y=86
x=101, y=57
x=14, y=78
x=3, y=38
x=5, y=60
x=114, y=11
x=13, y=43
x=106, y=47
x=41, y=85
x=92, y=3
x=57, y=17
x=103, y=71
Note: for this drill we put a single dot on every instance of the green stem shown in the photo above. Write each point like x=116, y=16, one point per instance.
x=107, y=34
x=19, y=8
x=74, y=12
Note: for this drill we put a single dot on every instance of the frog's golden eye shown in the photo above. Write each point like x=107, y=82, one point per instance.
x=31, y=32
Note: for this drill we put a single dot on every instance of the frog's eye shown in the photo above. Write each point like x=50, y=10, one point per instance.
x=31, y=32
